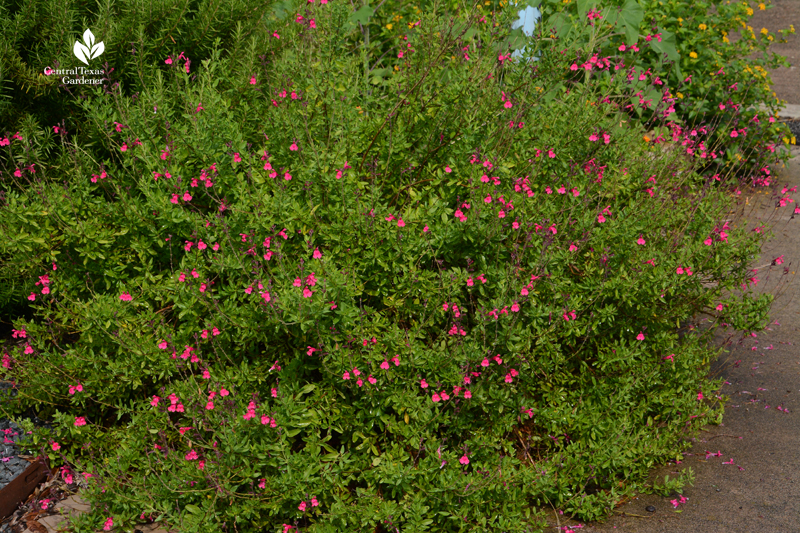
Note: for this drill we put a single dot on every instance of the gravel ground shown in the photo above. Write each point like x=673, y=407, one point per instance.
x=11, y=465
x=794, y=125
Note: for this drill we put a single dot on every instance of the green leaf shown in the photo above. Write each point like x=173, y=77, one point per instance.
x=632, y=15
x=362, y=16
x=193, y=509
x=561, y=23
x=666, y=46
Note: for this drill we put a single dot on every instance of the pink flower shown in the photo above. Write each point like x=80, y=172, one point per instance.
x=187, y=197
x=734, y=133
x=125, y=297
x=252, y=80
x=699, y=396
x=467, y=395
x=485, y=362
x=307, y=293
x=640, y=337
x=293, y=147
x=464, y=460
x=400, y=223
x=436, y=398
x=423, y=383
x=551, y=154
x=385, y=365
x=168, y=61
x=346, y=376
x=448, y=170
x=641, y=241
x=56, y=446
x=80, y=421
x=237, y=158
x=314, y=502
x=302, y=506
x=287, y=176
x=109, y=523
x=601, y=218
x=317, y=254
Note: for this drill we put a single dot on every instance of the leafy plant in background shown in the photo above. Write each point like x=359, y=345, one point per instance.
x=267, y=297
x=687, y=46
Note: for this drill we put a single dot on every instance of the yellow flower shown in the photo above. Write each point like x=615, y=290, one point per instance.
x=693, y=55
x=388, y=26
x=762, y=7
x=794, y=140
x=769, y=37
x=764, y=31
x=702, y=26
x=749, y=12
x=680, y=95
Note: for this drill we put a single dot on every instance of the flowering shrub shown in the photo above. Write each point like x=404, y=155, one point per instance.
x=271, y=300
x=685, y=45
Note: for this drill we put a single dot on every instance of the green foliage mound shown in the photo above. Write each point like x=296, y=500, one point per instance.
x=275, y=294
